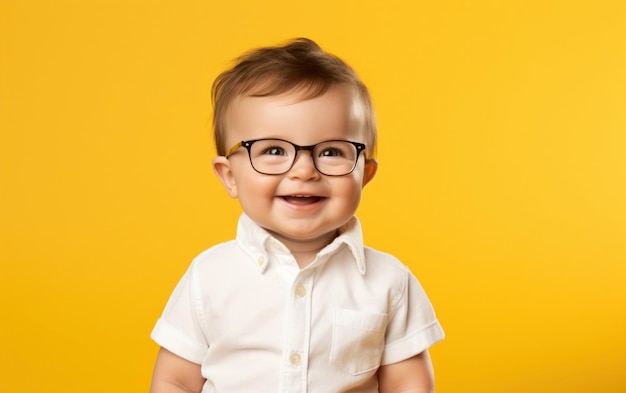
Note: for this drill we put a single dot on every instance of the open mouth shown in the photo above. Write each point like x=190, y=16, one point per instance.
x=301, y=199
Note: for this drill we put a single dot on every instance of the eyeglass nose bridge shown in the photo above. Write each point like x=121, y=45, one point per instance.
x=306, y=148
x=298, y=147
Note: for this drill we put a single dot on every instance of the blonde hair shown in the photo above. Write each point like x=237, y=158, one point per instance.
x=300, y=64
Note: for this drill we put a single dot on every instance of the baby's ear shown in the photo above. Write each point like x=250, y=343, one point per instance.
x=371, y=166
x=221, y=167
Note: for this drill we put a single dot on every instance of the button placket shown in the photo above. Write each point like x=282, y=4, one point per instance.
x=298, y=330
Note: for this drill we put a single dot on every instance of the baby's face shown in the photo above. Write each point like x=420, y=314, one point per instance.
x=302, y=207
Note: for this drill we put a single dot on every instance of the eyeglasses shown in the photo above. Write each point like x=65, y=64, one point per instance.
x=277, y=156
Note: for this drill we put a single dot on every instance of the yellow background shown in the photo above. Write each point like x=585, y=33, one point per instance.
x=502, y=178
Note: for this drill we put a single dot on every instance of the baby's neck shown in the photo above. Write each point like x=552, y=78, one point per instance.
x=304, y=259
x=305, y=251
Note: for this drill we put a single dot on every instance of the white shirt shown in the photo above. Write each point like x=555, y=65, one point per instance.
x=256, y=322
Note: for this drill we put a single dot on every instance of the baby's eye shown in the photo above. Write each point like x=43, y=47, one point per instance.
x=274, y=151
x=331, y=152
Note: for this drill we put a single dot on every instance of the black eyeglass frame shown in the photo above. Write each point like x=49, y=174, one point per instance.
x=360, y=147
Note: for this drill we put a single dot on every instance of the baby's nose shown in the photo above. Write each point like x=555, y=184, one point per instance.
x=303, y=167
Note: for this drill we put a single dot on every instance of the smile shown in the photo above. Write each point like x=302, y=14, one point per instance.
x=301, y=199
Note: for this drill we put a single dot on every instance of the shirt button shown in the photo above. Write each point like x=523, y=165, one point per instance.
x=300, y=290
x=295, y=358
x=260, y=260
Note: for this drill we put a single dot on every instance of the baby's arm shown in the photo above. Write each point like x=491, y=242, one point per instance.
x=414, y=375
x=173, y=374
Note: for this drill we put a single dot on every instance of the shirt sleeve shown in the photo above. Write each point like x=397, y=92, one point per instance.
x=179, y=330
x=413, y=326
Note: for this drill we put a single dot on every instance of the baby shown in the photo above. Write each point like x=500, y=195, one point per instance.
x=296, y=303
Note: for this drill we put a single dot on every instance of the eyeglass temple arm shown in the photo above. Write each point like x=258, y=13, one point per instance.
x=233, y=149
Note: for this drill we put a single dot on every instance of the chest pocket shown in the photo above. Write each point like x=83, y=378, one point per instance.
x=358, y=340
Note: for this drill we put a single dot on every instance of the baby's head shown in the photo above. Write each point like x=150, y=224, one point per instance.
x=295, y=136
x=299, y=66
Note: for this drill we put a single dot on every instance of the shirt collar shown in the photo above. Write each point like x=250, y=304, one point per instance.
x=256, y=242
